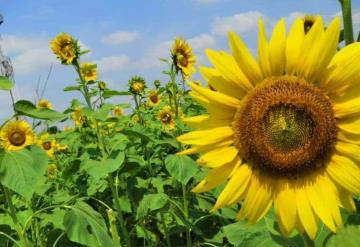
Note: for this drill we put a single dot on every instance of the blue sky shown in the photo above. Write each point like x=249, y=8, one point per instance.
x=128, y=37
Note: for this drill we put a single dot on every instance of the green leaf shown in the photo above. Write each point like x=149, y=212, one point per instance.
x=101, y=169
x=181, y=167
x=72, y=88
x=348, y=236
x=110, y=93
x=5, y=83
x=86, y=226
x=151, y=202
x=24, y=107
x=21, y=170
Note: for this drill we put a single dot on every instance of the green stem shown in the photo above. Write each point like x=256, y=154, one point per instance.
x=186, y=213
x=307, y=241
x=173, y=83
x=113, y=229
x=137, y=109
x=120, y=216
x=9, y=237
x=84, y=85
x=347, y=20
x=166, y=232
x=14, y=217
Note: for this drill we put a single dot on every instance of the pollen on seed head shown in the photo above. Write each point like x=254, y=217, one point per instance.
x=286, y=127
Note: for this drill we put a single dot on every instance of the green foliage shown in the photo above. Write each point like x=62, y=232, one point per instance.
x=26, y=108
x=182, y=168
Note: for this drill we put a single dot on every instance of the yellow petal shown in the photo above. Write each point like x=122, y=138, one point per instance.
x=235, y=187
x=350, y=150
x=305, y=212
x=285, y=206
x=348, y=108
x=345, y=173
x=294, y=46
x=229, y=69
x=218, y=157
x=263, y=50
x=277, y=49
x=204, y=148
x=214, y=78
x=348, y=137
x=350, y=125
x=258, y=199
x=346, y=69
x=206, y=137
x=321, y=48
x=214, y=178
x=318, y=202
x=206, y=122
x=244, y=59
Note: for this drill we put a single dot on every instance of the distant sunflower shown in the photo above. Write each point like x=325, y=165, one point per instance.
x=283, y=130
x=16, y=135
x=154, y=98
x=44, y=104
x=183, y=57
x=88, y=71
x=117, y=111
x=52, y=171
x=65, y=48
x=167, y=117
x=47, y=144
x=137, y=85
x=78, y=117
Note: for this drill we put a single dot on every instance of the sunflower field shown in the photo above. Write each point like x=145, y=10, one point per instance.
x=264, y=151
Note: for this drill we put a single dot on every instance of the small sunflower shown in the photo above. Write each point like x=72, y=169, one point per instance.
x=102, y=85
x=167, y=118
x=137, y=85
x=88, y=71
x=47, y=144
x=117, y=111
x=78, y=117
x=154, y=98
x=44, y=104
x=16, y=135
x=282, y=131
x=183, y=57
x=52, y=171
x=65, y=48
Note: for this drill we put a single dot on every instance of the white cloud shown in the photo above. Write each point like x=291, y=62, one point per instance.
x=356, y=16
x=202, y=41
x=113, y=63
x=120, y=37
x=242, y=23
x=205, y=2
x=13, y=44
x=151, y=58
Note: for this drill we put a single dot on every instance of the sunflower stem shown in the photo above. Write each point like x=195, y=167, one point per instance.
x=13, y=216
x=83, y=83
x=347, y=20
x=308, y=242
x=186, y=212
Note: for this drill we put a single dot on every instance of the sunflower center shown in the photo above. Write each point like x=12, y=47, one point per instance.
x=166, y=118
x=154, y=98
x=47, y=145
x=17, y=138
x=286, y=127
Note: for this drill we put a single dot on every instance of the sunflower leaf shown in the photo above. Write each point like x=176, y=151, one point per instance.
x=21, y=170
x=24, y=107
x=181, y=167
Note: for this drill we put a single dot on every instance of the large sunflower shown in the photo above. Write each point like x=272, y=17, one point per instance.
x=65, y=48
x=16, y=135
x=283, y=130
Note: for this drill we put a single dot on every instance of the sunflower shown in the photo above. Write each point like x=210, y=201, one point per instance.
x=47, y=144
x=183, y=57
x=78, y=116
x=154, y=98
x=88, y=71
x=167, y=118
x=65, y=48
x=44, y=104
x=282, y=131
x=52, y=171
x=16, y=135
x=117, y=111
x=137, y=85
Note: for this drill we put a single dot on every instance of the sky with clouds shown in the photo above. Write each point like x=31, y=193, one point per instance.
x=128, y=37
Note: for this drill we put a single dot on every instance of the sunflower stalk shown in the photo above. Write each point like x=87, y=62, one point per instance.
x=174, y=89
x=12, y=211
x=186, y=214
x=347, y=20
x=85, y=89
